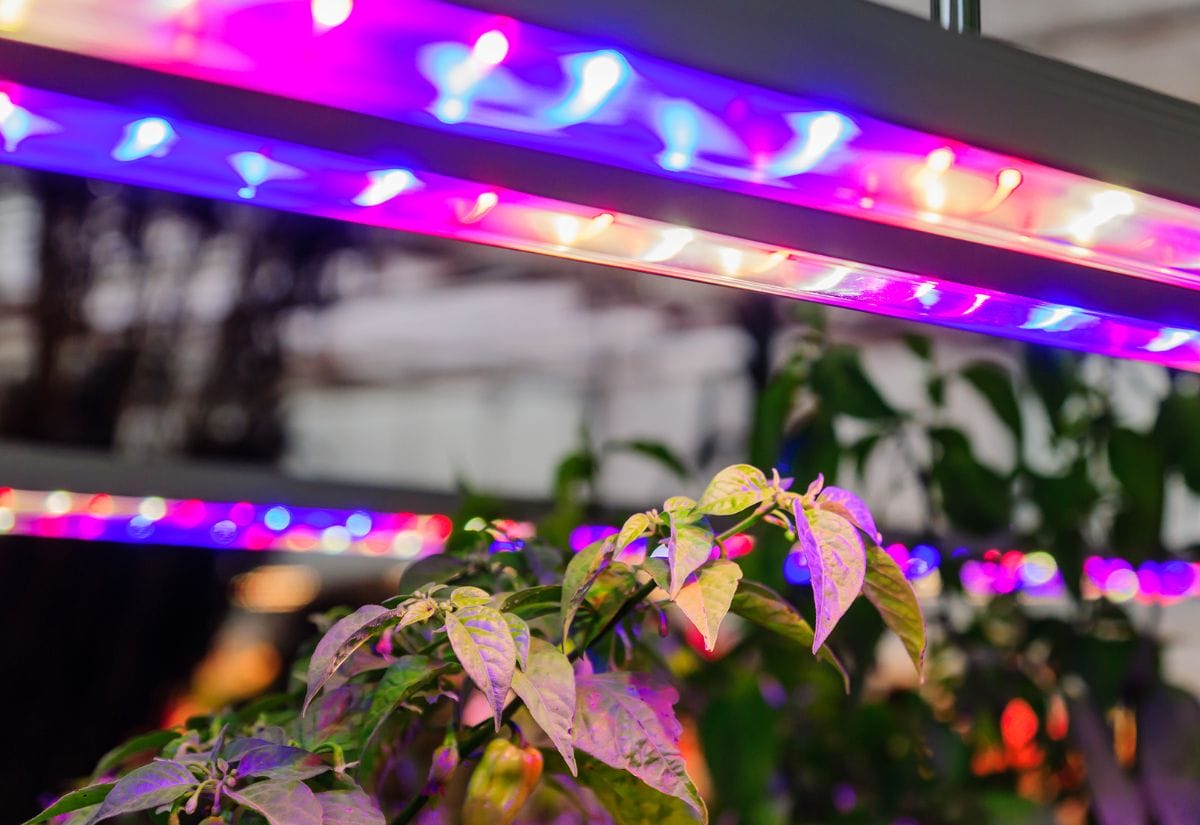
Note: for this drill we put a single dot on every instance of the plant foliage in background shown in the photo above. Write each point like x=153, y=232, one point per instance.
x=557, y=654
x=1030, y=713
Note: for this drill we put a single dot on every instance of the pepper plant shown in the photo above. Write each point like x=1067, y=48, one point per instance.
x=560, y=650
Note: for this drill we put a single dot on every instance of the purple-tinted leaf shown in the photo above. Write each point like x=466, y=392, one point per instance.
x=706, y=600
x=159, y=783
x=280, y=803
x=581, y=571
x=1169, y=752
x=1115, y=799
x=630, y=801
x=850, y=507
x=281, y=762
x=761, y=605
x=520, y=634
x=330, y=652
x=688, y=547
x=626, y=721
x=77, y=800
x=547, y=687
x=837, y=561
x=236, y=749
x=484, y=646
x=887, y=588
x=733, y=490
x=332, y=715
x=353, y=807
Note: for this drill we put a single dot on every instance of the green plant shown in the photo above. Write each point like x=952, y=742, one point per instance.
x=379, y=728
x=1087, y=473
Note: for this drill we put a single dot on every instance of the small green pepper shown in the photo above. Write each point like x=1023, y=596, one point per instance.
x=501, y=782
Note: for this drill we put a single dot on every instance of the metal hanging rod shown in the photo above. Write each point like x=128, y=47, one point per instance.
x=961, y=16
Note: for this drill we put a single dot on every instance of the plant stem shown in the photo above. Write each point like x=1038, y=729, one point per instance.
x=480, y=733
x=748, y=522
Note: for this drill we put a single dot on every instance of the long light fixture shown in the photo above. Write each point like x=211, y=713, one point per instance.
x=219, y=525
x=480, y=127
x=49, y=130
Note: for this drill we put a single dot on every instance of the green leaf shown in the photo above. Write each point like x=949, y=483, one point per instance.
x=919, y=345
x=626, y=720
x=630, y=801
x=329, y=655
x=655, y=451
x=634, y=528
x=469, y=596
x=574, y=470
x=659, y=571
x=1178, y=430
x=1138, y=462
x=73, y=801
x=485, y=648
x=280, y=803
x=520, y=634
x=154, y=741
x=689, y=546
x=839, y=380
x=706, y=600
x=403, y=679
x=888, y=589
x=995, y=384
x=837, y=561
x=975, y=498
x=733, y=490
x=581, y=571
x=761, y=605
x=547, y=687
x=533, y=601
x=352, y=807
x=281, y=762
x=682, y=506
x=159, y=783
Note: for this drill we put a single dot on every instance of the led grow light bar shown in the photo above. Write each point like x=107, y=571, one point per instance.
x=53, y=131
x=440, y=65
x=219, y=525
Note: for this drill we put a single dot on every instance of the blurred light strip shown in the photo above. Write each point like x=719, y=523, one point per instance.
x=67, y=134
x=437, y=64
x=240, y=525
x=1036, y=574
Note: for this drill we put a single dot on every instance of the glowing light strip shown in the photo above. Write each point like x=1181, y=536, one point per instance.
x=219, y=525
x=151, y=520
x=433, y=63
x=1036, y=574
x=96, y=140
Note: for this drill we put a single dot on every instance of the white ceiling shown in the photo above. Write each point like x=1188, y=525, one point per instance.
x=1154, y=43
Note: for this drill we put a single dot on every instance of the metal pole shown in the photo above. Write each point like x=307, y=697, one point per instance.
x=961, y=16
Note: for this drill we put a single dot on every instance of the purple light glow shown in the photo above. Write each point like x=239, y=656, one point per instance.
x=437, y=64
x=220, y=525
x=221, y=164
